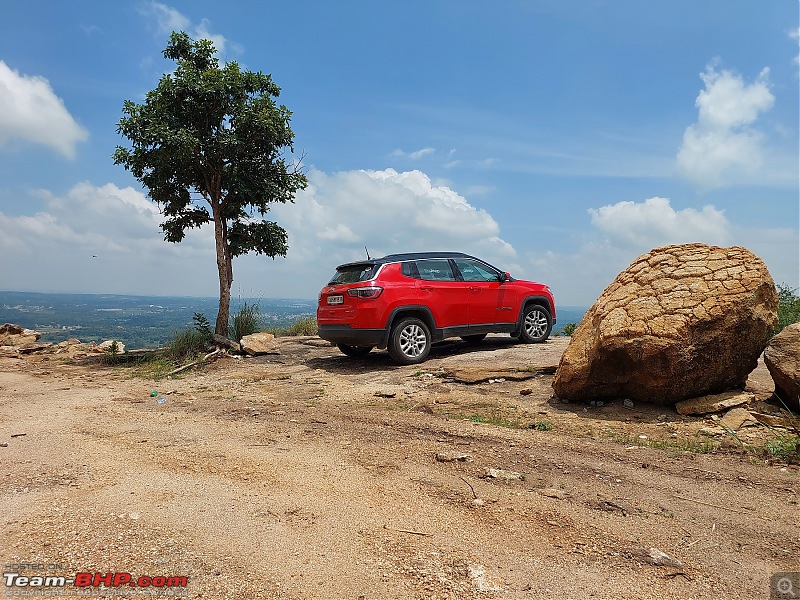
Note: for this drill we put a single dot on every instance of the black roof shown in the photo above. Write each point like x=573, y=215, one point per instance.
x=390, y=258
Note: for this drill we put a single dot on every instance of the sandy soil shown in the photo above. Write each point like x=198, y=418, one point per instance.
x=312, y=475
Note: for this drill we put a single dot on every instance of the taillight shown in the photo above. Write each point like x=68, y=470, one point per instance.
x=365, y=293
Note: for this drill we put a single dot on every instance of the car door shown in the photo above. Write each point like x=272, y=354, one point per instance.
x=439, y=290
x=491, y=301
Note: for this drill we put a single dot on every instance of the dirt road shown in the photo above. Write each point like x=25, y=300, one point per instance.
x=311, y=475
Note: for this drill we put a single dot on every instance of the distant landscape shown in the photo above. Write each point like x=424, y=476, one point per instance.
x=150, y=321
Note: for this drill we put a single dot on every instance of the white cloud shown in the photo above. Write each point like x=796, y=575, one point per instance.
x=655, y=223
x=329, y=223
x=387, y=211
x=626, y=230
x=168, y=19
x=102, y=239
x=416, y=155
x=723, y=146
x=30, y=111
x=795, y=35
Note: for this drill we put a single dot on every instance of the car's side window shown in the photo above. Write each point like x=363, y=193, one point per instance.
x=409, y=269
x=472, y=270
x=435, y=270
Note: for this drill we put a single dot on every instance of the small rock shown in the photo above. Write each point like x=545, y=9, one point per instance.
x=553, y=493
x=525, y=392
x=260, y=343
x=596, y=403
x=502, y=474
x=384, y=394
x=771, y=420
x=737, y=418
x=628, y=403
x=108, y=345
x=654, y=556
x=711, y=431
x=704, y=405
x=477, y=502
x=452, y=457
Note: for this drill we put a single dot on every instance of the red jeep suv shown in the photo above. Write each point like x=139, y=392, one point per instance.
x=405, y=302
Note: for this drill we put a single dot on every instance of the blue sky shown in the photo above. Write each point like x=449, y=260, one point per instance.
x=557, y=139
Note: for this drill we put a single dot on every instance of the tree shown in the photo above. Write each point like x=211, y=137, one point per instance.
x=208, y=144
x=788, y=307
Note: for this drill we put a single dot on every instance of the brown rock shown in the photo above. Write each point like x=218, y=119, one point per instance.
x=453, y=457
x=553, y=493
x=681, y=321
x=15, y=335
x=772, y=420
x=736, y=418
x=782, y=357
x=31, y=347
x=471, y=375
x=704, y=405
x=260, y=343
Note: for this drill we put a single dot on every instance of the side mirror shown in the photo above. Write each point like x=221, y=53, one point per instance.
x=505, y=277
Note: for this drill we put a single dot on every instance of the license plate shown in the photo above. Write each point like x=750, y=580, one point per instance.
x=337, y=299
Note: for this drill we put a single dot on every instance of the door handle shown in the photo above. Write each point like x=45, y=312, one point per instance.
x=426, y=288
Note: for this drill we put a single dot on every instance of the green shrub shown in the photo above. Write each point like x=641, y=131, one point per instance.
x=187, y=344
x=244, y=322
x=202, y=325
x=788, y=307
x=569, y=328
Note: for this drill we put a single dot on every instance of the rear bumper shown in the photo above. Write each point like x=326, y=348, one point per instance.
x=344, y=334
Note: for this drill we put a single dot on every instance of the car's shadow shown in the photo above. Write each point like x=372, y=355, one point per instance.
x=380, y=359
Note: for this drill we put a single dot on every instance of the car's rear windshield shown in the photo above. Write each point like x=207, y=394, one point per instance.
x=353, y=273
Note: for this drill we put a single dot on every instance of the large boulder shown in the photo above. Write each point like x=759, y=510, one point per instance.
x=782, y=357
x=681, y=321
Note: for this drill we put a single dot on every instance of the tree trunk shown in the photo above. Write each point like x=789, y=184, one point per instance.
x=225, y=270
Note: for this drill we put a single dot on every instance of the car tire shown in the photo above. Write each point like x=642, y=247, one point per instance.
x=537, y=323
x=354, y=351
x=410, y=341
x=473, y=339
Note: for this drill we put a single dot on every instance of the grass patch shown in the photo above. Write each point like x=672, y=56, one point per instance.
x=784, y=447
x=186, y=344
x=542, y=425
x=302, y=326
x=246, y=321
x=494, y=417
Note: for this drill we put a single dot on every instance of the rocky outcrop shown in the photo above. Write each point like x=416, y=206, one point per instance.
x=782, y=357
x=681, y=321
x=14, y=335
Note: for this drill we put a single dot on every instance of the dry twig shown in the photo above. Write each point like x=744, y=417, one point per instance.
x=202, y=360
x=387, y=528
